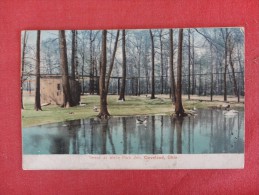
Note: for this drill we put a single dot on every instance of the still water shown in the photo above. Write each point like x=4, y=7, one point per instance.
x=208, y=132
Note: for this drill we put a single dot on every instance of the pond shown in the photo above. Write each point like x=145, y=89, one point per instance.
x=207, y=132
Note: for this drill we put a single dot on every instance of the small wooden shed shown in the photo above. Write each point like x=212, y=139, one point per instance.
x=51, y=89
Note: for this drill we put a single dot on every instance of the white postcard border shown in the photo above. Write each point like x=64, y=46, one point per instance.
x=133, y=162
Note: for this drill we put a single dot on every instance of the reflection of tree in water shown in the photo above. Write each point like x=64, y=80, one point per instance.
x=238, y=143
x=97, y=135
x=153, y=135
x=211, y=130
x=66, y=143
x=144, y=138
x=224, y=134
x=104, y=127
x=189, y=135
x=162, y=135
x=92, y=134
x=179, y=125
x=124, y=129
x=73, y=128
x=59, y=144
x=110, y=139
x=171, y=141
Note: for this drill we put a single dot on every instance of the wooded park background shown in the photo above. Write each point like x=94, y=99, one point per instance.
x=204, y=62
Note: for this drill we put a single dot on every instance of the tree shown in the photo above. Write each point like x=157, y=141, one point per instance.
x=92, y=67
x=171, y=54
x=193, y=64
x=23, y=64
x=145, y=63
x=73, y=55
x=103, y=93
x=67, y=99
x=123, y=85
x=81, y=51
x=211, y=73
x=189, y=63
x=112, y=62
x=37, y=105
x=104, y=83
x=161, y=62
x=153, y=65
x=225, y=35
x=179, y=111
x=231, y=62
x=50, y=56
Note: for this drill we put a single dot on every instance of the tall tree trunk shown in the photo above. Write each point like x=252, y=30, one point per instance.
x=211, y=74
x=189, y=63
x=138, y=80
x=179, y=111
x=153, y=65
x=83, y=64
x=217, y=75
x=76, y=57
x=171, y=67
x=146, y=72
x=193, y=62
x=23, y=64
x=96, y=77
x=123, y=85
x=112, y=61
x=91, y=83
x=161, y=64
x=103, y=94
x=242, y=74
x=200, y=84
x=37, y=105
x=233, y=70
x=67, y=99
x=73, y=76
x=145, y=62
x=226, y=64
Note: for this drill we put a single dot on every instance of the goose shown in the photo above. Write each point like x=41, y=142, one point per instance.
x=224, y=112
x=81, y=104
x=234, y=111
x=95, y=109
x=194, y=111
x=230, y=113
x=226, y=106
x=139, y=121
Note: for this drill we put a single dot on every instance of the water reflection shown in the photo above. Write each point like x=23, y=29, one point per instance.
x=179, y=126
x=209, y=132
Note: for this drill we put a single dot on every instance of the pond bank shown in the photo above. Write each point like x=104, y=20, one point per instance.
x=134, y=105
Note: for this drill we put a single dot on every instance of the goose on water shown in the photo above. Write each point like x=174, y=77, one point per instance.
x=230, y=113
x=139, y=121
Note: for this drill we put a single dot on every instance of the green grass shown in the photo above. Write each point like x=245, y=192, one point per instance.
x=132, y=106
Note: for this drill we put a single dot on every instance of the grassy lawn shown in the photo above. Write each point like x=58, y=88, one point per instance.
x=133, y=105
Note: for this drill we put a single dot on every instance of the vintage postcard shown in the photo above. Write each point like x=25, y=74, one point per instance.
x=133, y=99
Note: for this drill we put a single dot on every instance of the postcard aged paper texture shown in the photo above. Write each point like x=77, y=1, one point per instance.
x=133, y=99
